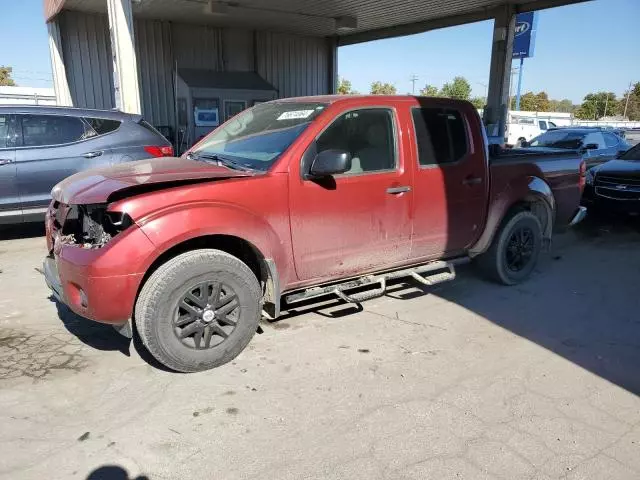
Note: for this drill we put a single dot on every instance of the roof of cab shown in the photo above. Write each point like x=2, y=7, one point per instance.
x=365, y=98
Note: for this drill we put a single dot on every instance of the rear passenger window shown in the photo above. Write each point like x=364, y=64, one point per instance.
x=102, y=125
x=41, y=130
x=441, y=135
x=611, y=140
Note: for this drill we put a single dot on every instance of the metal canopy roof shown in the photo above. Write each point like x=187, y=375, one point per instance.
x=352, y=21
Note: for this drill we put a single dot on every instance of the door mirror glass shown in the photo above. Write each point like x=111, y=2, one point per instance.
x=590, y=146
x=330, y=162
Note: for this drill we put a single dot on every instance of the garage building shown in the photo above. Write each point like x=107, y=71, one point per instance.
x=128, y=54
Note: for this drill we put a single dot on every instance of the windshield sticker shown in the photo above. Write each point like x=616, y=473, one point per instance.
x=295, y=114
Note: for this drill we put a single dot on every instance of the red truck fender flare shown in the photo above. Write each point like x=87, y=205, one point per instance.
x=206, y=219
x=535, y=193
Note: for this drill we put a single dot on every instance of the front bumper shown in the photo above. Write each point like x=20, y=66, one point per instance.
x=100, y=284
x=579, y=216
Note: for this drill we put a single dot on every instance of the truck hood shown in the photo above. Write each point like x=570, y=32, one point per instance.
x=620, y=168
x=98, y=185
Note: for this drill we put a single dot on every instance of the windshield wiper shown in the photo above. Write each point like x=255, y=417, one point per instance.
x=218, y=160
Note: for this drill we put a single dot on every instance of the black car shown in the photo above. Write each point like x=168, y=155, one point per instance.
x=615, y=185
x=597, y=145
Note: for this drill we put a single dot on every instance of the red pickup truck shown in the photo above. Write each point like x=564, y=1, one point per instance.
x=295, y=199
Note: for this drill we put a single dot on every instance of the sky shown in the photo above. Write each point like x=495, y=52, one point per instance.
x=579, y=49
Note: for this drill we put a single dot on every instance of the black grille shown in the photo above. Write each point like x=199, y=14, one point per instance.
x=618, y=188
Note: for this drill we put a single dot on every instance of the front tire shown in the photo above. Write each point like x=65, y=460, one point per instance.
x=515, y=249
x=199, y=310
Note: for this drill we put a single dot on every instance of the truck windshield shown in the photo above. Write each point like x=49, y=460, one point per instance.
x=559, y=139
x=257, y=137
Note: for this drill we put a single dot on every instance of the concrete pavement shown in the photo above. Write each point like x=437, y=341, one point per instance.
x=468, y=380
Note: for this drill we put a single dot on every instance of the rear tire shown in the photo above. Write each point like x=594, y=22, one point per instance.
x=199, y=310
x=515, y=249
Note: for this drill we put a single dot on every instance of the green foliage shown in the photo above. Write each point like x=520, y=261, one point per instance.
x=459, y=88
x=534, y=102
x=5, y=77
x=429, y=91
x=633, y=105
x=598, y=105
x=344, y=87
x=379, y=88
x=479, y=102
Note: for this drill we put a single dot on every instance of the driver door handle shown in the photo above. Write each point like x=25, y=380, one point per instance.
x=5, y=161
x=92, y=154
x=398, y=190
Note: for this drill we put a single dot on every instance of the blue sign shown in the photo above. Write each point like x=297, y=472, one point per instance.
x=524, y=39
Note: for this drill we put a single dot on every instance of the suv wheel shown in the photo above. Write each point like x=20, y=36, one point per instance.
x=199, y=310
x=515, y=249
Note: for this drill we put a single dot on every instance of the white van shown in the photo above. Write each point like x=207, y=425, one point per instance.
x=525, y=128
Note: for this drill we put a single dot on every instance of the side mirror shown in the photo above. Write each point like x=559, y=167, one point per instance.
x=590, y=146
x=330, y=162
x=524, y=144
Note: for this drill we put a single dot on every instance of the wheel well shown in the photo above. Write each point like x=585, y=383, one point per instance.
x=236, y=246
x=539, y=208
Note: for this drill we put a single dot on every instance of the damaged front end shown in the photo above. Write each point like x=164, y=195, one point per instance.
x=87, y=226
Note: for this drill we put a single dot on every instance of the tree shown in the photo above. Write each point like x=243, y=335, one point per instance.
x=479, y=102
x=533, y=102
x=564, y=106
x=5, y=77
x=379, y=88
x=429, y=91
x=344, y=87
x=459, y=88
x=632, y=105
x=598, y=105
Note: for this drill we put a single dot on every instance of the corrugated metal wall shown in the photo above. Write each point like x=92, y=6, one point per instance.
x=295, y=65
x=86, y=49
x=155, y=71
x=197, y=46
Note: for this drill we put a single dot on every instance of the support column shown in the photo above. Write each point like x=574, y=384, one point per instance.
x=125, y=67
x=495, y=114
x=58, y=69
x=332, y=70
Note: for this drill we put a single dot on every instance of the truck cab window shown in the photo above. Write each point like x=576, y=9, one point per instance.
x=4, y=130
x=441, y=135
x=367, y=135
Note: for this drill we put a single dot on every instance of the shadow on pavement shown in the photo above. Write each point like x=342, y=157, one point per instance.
x=96, y=335
x=23, y=230
x=113, y=472
x=582, y=303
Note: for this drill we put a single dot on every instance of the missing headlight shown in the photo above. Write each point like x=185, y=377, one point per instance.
x=92, y=226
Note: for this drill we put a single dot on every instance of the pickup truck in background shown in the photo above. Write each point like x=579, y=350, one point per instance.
x=523, y=129
x=296, y=199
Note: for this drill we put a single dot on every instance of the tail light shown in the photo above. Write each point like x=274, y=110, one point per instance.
x=583, y=175
x=159, y=151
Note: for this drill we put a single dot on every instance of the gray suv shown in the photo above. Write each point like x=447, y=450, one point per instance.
x=40, y=146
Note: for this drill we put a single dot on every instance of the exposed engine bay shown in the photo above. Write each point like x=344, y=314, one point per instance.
x=88, y=226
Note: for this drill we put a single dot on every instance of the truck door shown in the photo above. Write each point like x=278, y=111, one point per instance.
x=451, y=181
x=360, y=220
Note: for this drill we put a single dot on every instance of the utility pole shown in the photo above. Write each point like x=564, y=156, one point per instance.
x=626, y=104
x=413, y=79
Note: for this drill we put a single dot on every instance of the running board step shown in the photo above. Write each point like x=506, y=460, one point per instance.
x=445, y=271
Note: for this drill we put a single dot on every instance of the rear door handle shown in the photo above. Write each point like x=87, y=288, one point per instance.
x=5, y=161
x=92, y=154
x=472, y=181
x=398, y=190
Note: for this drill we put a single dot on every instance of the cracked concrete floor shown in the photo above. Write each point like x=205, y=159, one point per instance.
x=469, y=380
